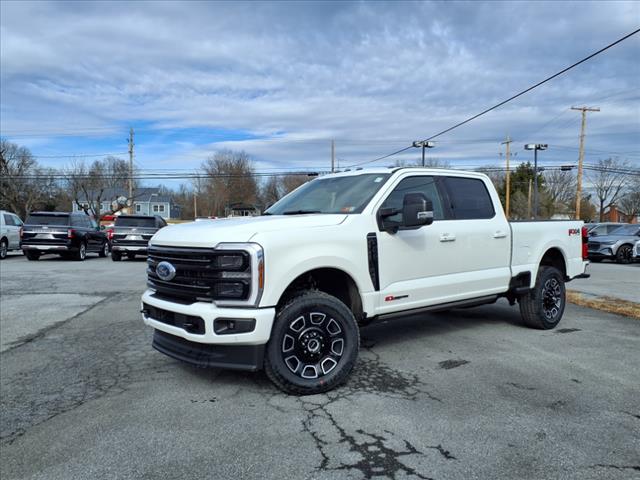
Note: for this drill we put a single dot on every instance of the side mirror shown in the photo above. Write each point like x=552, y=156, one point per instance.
x=417, y=210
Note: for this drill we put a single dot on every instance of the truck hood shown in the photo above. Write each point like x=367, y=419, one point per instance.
x=208, y=233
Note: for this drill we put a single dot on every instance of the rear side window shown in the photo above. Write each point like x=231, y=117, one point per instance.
x=425, y=185
x=8, y=220
x=48, y=220
x=143, y=222
x=469, y=198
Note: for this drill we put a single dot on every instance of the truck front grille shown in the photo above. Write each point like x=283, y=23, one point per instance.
x=198, y=276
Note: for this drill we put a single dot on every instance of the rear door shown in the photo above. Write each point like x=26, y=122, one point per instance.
x=12, y=230
x=479, y=236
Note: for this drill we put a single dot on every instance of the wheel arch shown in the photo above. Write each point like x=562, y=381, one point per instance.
x=331, y=280
x=554, y=257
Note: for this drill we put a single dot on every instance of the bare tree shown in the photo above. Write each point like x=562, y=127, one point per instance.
x=102, y=181
x=561, y=189
x=228, y=178
x=24, y=185
x=630, y=202
x=293, y=181
x=271, y=191
x=608, y=182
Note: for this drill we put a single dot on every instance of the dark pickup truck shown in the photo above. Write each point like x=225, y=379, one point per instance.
x=70, y=235
x=131, y=234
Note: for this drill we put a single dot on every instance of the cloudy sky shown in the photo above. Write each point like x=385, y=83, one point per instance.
x=280, y=80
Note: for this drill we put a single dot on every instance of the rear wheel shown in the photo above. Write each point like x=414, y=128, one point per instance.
x=624, y=254
x=81, y=254
x=31, y=255
x=104, y=251
x=4, y=248
x=314, y=344
x=116, y=256
x=543, y=306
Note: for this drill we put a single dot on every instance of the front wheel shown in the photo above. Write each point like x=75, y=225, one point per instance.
x=116, y=256
x=4, y=248
x=543, y=306
x=624, y=254
x=314, y=344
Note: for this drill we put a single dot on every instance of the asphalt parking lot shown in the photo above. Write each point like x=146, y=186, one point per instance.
x=469, y=394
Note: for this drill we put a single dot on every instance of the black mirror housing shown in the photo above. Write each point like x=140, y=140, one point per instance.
x=417, y=210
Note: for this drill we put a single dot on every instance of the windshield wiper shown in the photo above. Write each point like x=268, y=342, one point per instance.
x=300, y=212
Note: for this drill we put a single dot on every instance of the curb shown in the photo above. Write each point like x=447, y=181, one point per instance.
x=605, y=303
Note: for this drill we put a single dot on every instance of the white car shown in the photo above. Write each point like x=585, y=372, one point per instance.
x=10, y=226
x=288, y=291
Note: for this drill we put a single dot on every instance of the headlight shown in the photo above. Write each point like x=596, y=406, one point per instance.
x=241, y=274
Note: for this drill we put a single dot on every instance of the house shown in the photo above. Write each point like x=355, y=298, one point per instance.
x=146, y=201
x=613, y=214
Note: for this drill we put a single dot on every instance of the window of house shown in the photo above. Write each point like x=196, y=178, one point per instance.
x=138, y=207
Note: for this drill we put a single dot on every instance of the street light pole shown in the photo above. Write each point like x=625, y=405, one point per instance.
x=424, y=145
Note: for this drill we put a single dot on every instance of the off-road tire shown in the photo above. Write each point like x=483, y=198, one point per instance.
x=624, y=254
x=311, y=306
x=81, y=254
x=4, y=249
x=104, y=250
x=116, y=256
x=31, y=255
x=543, y=306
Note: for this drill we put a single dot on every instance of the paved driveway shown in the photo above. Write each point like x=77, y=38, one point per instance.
x=462, y=395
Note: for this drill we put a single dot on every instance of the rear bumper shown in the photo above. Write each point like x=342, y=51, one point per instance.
x=48, y=248
x=237, y=357
x=128, y=248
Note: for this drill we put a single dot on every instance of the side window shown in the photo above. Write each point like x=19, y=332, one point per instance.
x=469, y=198
x=8, y=220
x=425, y=185
x=16, y=221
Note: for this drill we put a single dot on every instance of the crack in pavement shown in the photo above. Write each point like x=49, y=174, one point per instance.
x=366, y=452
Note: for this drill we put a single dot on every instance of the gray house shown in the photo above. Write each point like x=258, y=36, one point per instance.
x=146, y=201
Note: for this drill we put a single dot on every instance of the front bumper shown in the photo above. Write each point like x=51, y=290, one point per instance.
x=236, y=357
x=209, y=312
x=604, y=252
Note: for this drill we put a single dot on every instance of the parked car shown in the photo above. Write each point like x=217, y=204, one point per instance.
x=131, y=234
x=287, y=291
x=600, y=229
x=10, y=228
x=70, y=235
x=618, y=245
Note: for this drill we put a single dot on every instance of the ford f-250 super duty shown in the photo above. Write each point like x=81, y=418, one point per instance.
x=287, y=291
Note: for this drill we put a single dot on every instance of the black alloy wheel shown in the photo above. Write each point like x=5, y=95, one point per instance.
x=624, y=254
x=314, y=344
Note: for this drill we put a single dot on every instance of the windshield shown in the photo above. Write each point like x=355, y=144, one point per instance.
x=627, y=230
x=144, y=222
x=47, y=220
x=331, y=195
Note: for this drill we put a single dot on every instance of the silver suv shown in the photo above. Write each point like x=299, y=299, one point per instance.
x=10, y=228
x=617, y=245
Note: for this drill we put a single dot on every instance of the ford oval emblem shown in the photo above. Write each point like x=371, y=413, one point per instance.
x=166, y=271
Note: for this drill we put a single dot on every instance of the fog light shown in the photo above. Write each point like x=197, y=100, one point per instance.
x=228, y=326
x=229, y=290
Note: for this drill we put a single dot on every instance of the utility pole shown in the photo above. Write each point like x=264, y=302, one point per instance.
x=529, y=201
x=131, y=145
x=333, y=156
x=507, y=142
x=584, y=111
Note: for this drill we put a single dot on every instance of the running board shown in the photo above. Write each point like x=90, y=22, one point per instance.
x=471, y=302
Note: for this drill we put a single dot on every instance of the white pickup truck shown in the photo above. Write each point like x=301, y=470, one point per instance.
x=287, y=291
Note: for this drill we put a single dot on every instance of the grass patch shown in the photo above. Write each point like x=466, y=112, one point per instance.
x=606, y=304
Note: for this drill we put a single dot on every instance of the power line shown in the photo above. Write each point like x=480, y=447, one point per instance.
x=513, y=97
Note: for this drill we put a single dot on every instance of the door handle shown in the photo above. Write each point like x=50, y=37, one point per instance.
x=500, y=234
x=447, y=237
